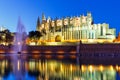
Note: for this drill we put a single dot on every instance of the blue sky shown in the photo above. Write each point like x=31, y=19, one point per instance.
x=102, y=11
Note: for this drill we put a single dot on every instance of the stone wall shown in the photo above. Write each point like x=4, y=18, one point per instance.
x=84, y=49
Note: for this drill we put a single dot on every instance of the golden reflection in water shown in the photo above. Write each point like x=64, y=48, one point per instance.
x=67, y=70
x=90, y=68
x=117, y=67
x=61, y=68
x=83, y=68
x=3, y=66
x=18, y=65
x=71, y=67
x=52, y=67
x=111, y=68
x=101, y=68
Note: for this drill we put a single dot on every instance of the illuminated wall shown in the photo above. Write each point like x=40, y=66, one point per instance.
x=75, y=28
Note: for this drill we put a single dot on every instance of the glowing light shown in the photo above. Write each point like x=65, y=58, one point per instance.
x=35, y=51
x=73, y=56
x=48, y=56
x=36, y=56
x=60, y=56
x=24, y=51
x=19, y=43
x=2, y=51
x=60, y=52
x=72, y=52
x=48, y=51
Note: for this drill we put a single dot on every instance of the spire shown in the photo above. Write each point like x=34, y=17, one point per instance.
x=48, y=19
x=89, y=18
x=89, y=14
x=56, y=21
x=38, y=21
x=63, y=22
x=68, y=20
x=43, y=17
x=38, y=24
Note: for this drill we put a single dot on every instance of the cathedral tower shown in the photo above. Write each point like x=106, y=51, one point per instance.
x=38, y=24
x=43, y=18
x=89, y=18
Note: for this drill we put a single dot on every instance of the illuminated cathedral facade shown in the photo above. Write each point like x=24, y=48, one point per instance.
x=74, y=29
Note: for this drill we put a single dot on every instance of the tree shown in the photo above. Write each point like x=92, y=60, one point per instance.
x=35, y=35
x=31, y=34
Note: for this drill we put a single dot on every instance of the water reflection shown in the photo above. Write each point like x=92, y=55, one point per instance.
x=52, y=69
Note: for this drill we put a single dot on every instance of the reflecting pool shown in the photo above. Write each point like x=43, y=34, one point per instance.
x=44, y=68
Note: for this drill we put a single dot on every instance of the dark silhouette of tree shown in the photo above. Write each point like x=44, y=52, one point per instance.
x=34, y=35
x=37, y=34
x=31, y=34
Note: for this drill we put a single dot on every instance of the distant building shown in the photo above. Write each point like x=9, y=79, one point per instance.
x=2, y=28
x=74, y=28
x=6, y=37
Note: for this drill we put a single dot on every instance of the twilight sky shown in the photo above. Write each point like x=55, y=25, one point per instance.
x=107, y=11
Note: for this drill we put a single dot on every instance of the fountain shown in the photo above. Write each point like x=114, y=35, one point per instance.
x=20, y=36
x=19, y=44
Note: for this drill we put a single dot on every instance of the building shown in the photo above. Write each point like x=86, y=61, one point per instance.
x=6, y=37
x=74, y=29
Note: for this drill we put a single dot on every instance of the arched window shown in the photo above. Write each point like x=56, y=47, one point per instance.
x=58, y=38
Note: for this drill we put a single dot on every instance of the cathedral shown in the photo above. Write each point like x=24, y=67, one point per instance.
x=74, y=29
